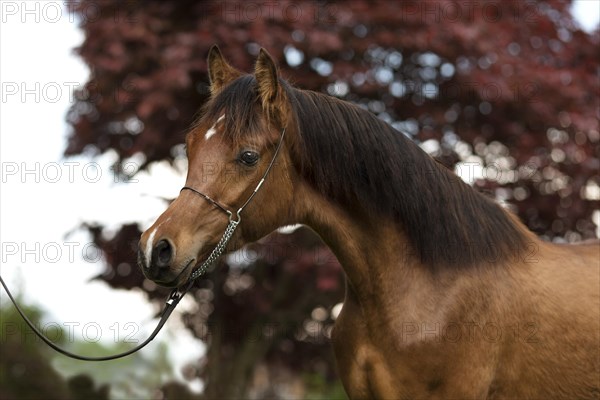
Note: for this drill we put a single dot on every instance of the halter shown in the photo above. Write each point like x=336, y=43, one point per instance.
x=234, y=218
x=177, y=294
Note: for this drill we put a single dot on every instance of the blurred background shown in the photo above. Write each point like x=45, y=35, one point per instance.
x=97, y=97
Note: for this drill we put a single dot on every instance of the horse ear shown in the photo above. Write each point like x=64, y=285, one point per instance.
x=220, y=73
x=267, y=77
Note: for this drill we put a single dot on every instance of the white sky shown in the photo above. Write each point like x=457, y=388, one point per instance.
x=35, y=212
x=587, y=13
x=37, y=259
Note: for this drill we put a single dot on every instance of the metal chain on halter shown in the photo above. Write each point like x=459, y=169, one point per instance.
x=233, y=223
x=217, y=251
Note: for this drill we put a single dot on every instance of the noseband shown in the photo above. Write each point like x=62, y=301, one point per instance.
x=234, y=218
x=177, y=294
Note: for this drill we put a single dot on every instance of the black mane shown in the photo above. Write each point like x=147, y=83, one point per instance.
x=360, y=162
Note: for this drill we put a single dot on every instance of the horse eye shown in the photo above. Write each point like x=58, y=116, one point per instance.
x=248, y=157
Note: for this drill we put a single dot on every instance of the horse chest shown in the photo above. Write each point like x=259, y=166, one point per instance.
x=365, y=370
x=361, y=368
x=375, y=363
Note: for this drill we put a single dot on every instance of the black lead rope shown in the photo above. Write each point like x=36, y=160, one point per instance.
x=170, y=305
x=177, y=294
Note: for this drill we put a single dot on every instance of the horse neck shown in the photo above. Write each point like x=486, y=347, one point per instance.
x=381, y=268
x=385, y=277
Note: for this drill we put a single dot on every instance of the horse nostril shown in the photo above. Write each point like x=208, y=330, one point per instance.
x=161, y=256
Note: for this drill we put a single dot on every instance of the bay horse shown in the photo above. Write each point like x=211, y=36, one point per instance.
x=448, y=294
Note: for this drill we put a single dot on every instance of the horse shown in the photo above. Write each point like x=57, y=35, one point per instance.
x=448, y=294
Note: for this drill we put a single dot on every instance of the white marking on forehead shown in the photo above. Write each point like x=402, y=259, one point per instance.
x=213, y=130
